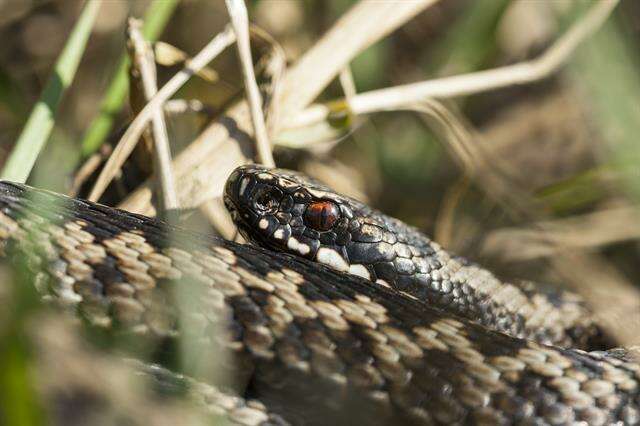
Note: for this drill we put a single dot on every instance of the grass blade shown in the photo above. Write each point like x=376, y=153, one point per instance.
x=155, y=20
x=41, y=121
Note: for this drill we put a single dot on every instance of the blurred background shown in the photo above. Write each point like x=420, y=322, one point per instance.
x=553, y=198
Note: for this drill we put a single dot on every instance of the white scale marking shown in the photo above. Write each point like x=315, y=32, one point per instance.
x=263, y=224
x=383, y=282
x=320, y=194
x=411, y=296
x=332, y=258
x=296, y=245
x=360, y=270
x=243, y=185
x=279, y=234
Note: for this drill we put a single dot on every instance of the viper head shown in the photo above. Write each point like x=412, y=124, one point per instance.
x=287, y=211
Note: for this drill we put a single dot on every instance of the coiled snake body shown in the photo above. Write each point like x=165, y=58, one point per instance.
x=315, y=345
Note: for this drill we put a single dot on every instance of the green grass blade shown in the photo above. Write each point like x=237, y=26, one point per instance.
x=607, y=70
x=20, y=403
x=42, y=118
x=155, y=20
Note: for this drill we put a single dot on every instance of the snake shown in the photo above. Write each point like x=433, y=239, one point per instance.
x=322, y=319
x=287, y=211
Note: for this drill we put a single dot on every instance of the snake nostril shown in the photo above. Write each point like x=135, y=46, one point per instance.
x=267, y=199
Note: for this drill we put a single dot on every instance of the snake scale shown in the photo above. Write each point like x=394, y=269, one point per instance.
x=313, y=344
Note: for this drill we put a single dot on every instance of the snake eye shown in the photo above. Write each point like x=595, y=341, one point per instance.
x=267, y=199
x=321, y=215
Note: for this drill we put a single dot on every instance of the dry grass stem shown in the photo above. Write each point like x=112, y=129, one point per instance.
x=169, y=56
x=338, y=175
x=446, y=226
x=620, y=299
x=129, y=139
x=85, y=171
x=453, y=130
x=143, y=60
x=273, y=65
x=363, y=25
x=589, y=231
x=614, y=300
x=240, y=22
x=347, y=82
x=203, y=167
x=398, y=97
x=183, y=106
x=218, y=216
x=467, y=148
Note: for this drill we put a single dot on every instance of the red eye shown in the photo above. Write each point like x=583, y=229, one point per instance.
x=321, y=215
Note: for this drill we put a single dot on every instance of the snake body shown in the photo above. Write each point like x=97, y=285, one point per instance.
x=314, y=345
x=287, y=211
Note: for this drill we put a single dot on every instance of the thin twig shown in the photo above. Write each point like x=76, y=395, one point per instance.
x=142, y=59
x=398, y=97
x=367, y=22
x=170, y=56
x=203, y=166
x=273, y=65
x=240, y=22
x=613, y=299
x=216, y=213
x=454, y=130
x=87, y=169
x=347, y=82
x=445, y=224
x=588, y=231
x=619, y=300
x=128, y=140
x=183, y=106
